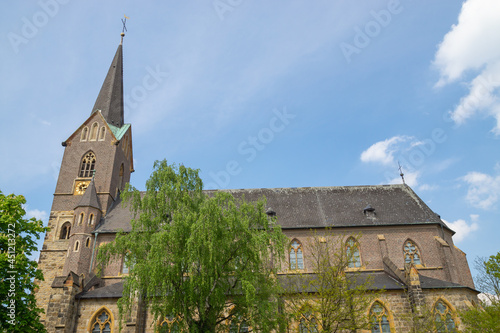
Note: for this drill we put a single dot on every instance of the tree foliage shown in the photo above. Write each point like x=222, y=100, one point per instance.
x=203, y=258
x=486, y=318
x=18, y=235
x=334, y=297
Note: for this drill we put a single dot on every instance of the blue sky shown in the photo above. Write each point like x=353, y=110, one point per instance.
x=259, y=94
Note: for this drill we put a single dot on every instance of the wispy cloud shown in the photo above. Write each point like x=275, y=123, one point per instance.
x=38, y=214
x=472, y=44
x=484, y=189
x=383, y=151
x=462, y=228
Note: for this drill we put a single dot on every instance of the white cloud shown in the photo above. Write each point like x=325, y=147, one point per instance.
x=411, y=179
x=483, y=191
x=428, y=187
x=473, y=44
x=383, y=151
x=38, y=214
x=461, y=228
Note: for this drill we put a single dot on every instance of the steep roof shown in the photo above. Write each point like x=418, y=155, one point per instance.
x=89, y=198
x=110, y=98
x=317, y=207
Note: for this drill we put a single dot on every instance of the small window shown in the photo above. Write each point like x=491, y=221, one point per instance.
x=91, y=219
x=77, y=246
x=102, y=322
x=379, y=318
x=308, y=324
x=238, y=326
x=65, y=231
x=93, y=132
x=352, y=251
x=296, y=255
x=102, y=133
x=87, y=166
x=443, y=319
x=87, y=242
x=80, y=218
x=85, y=133
x=412, y=254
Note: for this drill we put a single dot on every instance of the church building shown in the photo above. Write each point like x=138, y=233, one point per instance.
x=404, y=246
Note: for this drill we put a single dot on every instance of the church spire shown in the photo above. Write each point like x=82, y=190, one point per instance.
x=110, y=99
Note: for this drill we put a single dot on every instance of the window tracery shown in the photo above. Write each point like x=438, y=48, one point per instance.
x=443, y=319
x=102, y=322
x=353, y=254
x=169, y=325
x=308, y=324
x=379, y=318
x=87, y=166
x=411, y=253
x=296, y=255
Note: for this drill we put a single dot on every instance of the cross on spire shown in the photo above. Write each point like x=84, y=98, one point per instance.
x=401, y=173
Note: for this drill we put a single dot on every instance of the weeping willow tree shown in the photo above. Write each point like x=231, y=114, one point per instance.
x=206, y=259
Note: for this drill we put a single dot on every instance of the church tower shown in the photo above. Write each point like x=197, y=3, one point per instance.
x=96, y=165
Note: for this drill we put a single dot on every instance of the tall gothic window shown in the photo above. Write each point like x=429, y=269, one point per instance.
x=65, y=230
x=87, y=167
x=443, y=318
x=308, y=324
x=379, y=318
x=85, y=133
x=296, y=255
x=412, y=254
x=93, y=131
x=102, y=133
x=102, y=322
x=352, y=251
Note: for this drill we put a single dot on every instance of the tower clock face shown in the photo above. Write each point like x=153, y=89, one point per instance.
x=80, y=187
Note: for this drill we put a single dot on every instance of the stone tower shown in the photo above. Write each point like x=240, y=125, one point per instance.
x=96, y=165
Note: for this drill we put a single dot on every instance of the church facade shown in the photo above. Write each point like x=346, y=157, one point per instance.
x=404, y=246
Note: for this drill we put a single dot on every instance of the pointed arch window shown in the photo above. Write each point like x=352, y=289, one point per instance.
x=308, y=324
x=353, y=254
x=296, y=255
x=87, y=242
x=87, y=166
x=443, y=318
x=65, y=231
x=102, y=133
x=411, y=252
x=379, y=318
x=77, y=246
x=170, y=325
x=85, y=133
x=91, y=219
x=93, y=131
x=80, y=218
x=102, y=322
x=238, y=326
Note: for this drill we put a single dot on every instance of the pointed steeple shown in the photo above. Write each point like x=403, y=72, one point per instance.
x=110, y=99
x=89, y=198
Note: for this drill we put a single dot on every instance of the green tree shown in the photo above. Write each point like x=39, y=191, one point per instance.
x=485, y=318
x=18, y=235
x=335, y=297
x=204, y=258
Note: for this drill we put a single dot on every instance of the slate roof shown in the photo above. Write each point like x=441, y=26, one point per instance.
x=111, y=291
x=316, y=207
x=89, y=198
x=110, y=98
